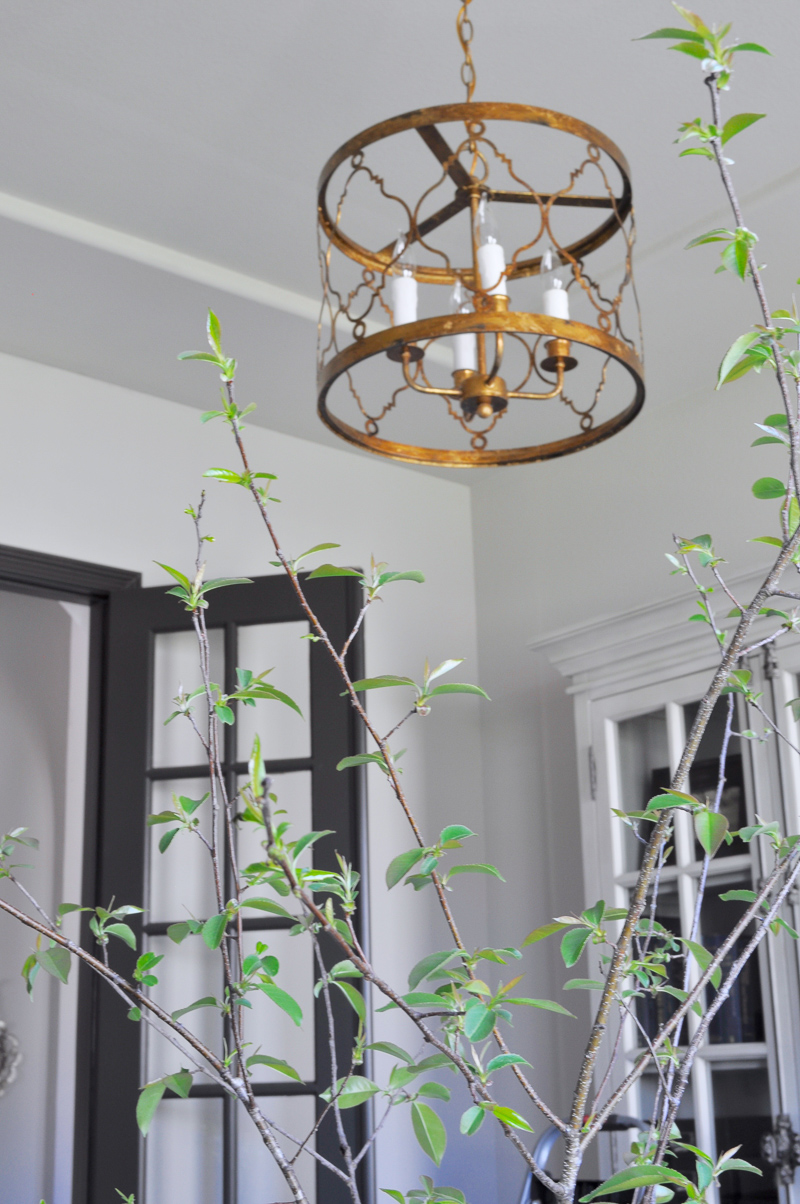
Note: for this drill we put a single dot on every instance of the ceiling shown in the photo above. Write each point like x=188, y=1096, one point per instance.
x=163, y=156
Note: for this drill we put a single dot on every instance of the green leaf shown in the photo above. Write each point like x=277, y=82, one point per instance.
x=636, y=1176
x=318, y=547
x=208, y=1001
x=331, y=570
x=222, y=582
x=200, y=355
x=734, y=354
x=435, y=1091
x=572, y=945
x=475, y=868
x=228, y=475
x=380, y=683
x=772, y=540
x=401, y=864
x=455, y=832
x=284, y=1001
x=124, y=933
x=213, y=331
x=179, y=577
x=508, y=1116
x=691, y=48
x=396, y=1195
x=767, y=488
x=362, y=759
x=682, y=35
x=478, y=1022
x=546, y=1005
x=149, y=1099
x=428, y=964
x=752, y=46
x=429, y=1131
x=394, y=1051
x=456, y=687
x=353, y=1091
x=168, y=837
x=735, y=125
x=224, y=714
x=583, y=984
x=275, y=1063
x=411, y=575
x=710, y=828
x=506, y=1060
x=739, y=896
x=267, y=905
x=214, y=930
x=308, y=839
x=354, y=998
x=703, y=959
x=471, y=1120
x=180, y=1083
x=55, y=961
x=545, y=930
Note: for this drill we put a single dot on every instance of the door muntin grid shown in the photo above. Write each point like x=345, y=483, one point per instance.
x=645, y=749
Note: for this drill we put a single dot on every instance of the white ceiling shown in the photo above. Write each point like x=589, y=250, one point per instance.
x=200, y=128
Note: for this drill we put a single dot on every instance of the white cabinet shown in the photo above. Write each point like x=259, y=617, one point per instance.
x=636, y=681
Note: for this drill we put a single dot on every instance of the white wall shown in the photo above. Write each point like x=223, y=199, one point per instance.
x=99, y=473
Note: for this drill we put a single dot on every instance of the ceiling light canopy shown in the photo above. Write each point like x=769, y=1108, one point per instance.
x=462, y=327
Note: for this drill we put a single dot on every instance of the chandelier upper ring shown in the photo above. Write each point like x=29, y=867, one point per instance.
x=425, y=121
x=489, y=323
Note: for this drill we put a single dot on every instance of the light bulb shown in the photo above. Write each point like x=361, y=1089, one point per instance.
x=404, y=285
x=491, y=256
x=465, y=346
x=555, y=301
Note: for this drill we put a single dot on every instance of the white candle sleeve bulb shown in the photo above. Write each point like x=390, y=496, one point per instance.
x=491, y=256
x=555, y=300
x=404, y=286
x=465, y=346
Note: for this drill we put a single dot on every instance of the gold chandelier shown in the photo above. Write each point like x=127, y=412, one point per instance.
x=511, y=353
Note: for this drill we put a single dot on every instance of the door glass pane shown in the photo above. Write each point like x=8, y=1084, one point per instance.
x=181, y=878
x=176, y=666
x=258, y=1176
x=742, y=1114
x=188, y=972
x=183, y=1153
x=684, y=1161
x=293, y=792
x=643, y=770
x=653, y=1011
x=741, y=1017
x=704, y=774
x=267, y=1027
x=279, y=647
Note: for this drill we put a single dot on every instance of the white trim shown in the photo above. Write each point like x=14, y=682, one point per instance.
x=71, y=891
x=646, y=644
x=178, y=263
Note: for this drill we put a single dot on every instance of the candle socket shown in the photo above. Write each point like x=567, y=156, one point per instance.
x=399, y=350
x=480, y=395
x=558, y=352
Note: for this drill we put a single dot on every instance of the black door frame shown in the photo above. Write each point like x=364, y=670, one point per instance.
x=47, y=576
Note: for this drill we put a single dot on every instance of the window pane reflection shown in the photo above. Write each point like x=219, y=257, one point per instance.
x=177, y=665
x=183, y=1153
x=742, y=1114
x=704, y=774
x=279, y=647
x=741, y=1017
x=643, y=771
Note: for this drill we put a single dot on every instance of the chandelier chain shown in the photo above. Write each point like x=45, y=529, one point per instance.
x=465, y=32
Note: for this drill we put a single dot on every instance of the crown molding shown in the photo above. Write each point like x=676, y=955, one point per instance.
x=618, y=652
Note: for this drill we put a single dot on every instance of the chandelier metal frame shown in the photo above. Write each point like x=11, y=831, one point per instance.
x=480, y=393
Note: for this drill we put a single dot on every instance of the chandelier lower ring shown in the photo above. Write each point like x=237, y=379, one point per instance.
x=488, y=323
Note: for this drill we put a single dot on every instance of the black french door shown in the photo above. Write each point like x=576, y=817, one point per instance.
x=149, y=637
